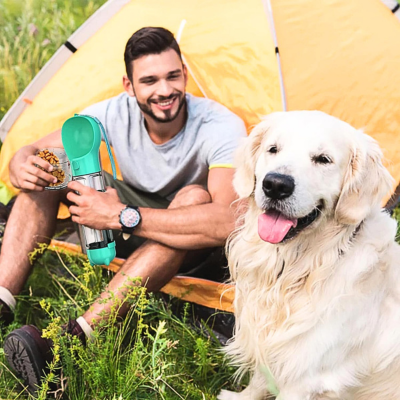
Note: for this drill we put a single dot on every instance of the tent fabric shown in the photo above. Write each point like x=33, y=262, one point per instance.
x=195, y=290
x=80, y=36
x=225, y=52
x=340, y=57
x=344, y=61
x=394, y=6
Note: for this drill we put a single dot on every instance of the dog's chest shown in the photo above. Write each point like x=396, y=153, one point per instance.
x=306, y=336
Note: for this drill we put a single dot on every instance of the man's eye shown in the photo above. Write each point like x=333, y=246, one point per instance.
x=322, y=159
x=172, y=77
x=273, y=149
x=149, y=82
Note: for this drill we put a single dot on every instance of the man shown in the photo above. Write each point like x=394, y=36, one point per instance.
x=175, y=153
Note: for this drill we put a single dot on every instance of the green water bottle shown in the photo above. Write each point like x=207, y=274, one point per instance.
x=81, y=137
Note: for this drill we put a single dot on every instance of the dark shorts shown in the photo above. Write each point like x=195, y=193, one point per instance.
x=205, y=263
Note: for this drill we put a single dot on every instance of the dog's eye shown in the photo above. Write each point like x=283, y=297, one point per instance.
x=273, y=150
x=322, y=159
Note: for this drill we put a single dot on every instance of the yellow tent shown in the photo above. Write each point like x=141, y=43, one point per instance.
x=254, y=56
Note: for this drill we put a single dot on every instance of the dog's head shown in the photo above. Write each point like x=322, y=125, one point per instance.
x=300, y=165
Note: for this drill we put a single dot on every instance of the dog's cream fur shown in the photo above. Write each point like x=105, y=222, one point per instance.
x=321, y=311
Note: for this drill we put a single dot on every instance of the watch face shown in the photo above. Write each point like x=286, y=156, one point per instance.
x=130, y=217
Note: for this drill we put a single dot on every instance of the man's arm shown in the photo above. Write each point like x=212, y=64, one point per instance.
x=24, y=174
x=192, y=227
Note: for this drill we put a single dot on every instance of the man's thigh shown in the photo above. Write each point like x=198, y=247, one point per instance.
x=205, y=263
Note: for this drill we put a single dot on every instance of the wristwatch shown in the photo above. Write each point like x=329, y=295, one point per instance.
x=129, y=219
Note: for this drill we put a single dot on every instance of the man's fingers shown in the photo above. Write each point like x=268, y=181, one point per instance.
x=31, y=187
x=36, y=181
x=78, y=220
x=35, y=160
x=43, y=175
x=78, y=187
x=74, y=210
x=74, y=198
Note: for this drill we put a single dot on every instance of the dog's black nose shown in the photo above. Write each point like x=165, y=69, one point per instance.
x=278, y=186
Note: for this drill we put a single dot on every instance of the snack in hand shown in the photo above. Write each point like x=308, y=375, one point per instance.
x=58, y=172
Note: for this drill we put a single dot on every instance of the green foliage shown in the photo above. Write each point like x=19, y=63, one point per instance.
x=396, y=216
x=151, y=354
x=31, y=31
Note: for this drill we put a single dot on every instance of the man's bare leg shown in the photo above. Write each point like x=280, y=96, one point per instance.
x=32, y=220
x=155, y=263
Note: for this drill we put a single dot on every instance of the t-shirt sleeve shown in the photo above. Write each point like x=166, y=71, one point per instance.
x=99, y=110
x=225, y=136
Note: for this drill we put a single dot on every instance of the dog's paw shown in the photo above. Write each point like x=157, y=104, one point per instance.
x=228, y=395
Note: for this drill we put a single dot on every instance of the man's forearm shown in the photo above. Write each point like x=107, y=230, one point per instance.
x=192, y=227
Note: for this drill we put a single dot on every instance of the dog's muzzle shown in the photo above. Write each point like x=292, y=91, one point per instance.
x=274, y=225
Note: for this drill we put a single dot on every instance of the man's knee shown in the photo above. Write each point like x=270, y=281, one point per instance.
x=191, y=195
x=37, y=201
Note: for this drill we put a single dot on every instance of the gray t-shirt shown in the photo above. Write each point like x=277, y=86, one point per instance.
x=208, y=140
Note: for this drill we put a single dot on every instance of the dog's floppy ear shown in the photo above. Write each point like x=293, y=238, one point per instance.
x=245, y=161
x=366, y=181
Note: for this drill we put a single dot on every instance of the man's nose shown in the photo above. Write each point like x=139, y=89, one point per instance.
x=278, y=186
x=164, y=88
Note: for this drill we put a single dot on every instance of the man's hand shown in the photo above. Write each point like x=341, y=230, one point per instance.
x=94, y=209
x=25, y=173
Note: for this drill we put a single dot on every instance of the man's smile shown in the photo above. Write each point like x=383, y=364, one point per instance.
x=165, y=104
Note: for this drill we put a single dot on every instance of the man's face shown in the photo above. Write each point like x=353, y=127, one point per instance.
x=159, y=82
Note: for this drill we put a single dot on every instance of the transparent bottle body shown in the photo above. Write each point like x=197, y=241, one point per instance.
x=93, y=238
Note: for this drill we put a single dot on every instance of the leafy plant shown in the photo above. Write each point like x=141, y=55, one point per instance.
x=151, y=354
x=31, y=32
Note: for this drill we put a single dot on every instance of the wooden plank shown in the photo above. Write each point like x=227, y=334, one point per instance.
x=200, y=291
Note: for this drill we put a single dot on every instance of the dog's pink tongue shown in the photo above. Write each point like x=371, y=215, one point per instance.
x=273, y=226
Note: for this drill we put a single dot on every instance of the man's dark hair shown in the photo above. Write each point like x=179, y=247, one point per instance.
x=148, y=41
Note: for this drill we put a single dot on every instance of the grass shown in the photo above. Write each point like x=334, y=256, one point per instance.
x=31, y=31
x=152, y=354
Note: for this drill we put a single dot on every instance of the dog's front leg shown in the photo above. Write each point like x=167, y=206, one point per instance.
x=298, y=394
x=257, y=390
x=295, y=394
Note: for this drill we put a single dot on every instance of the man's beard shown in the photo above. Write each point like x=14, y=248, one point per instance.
x=168, y=116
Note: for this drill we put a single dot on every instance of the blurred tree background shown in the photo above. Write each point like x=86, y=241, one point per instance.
x=30, y=32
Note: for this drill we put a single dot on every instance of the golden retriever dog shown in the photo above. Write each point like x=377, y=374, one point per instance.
x=315, y=264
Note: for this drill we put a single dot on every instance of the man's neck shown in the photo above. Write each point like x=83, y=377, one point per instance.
x=162, y=132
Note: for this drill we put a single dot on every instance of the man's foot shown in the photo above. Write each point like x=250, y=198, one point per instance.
x=6, y=315
x=29, y=354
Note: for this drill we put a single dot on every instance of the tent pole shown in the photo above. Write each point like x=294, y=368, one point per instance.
x=267, y=4
x=178, y=39
x=59, y=58
x=394, y=7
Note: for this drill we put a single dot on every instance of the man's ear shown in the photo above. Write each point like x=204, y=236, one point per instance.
x=127, y=84
x=365, y=184
x=245, y=160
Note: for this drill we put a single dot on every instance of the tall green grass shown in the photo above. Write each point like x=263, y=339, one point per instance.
x=30, y=32
x=151, y=354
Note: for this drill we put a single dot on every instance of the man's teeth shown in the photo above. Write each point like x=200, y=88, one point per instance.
x=165, y=103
